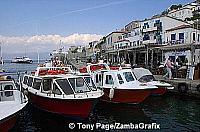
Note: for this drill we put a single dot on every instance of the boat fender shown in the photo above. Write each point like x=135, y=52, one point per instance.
x=182, y=87
x=198, y=88
x=111, y=94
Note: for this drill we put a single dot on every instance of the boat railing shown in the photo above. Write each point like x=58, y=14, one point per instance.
x=63, y=95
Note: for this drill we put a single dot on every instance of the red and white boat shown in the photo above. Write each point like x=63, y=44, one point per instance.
x=120, y=85
x=144, y=75
x=12, y=101
x=58, y=90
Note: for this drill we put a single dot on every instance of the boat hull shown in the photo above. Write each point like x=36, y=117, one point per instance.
x=74, y=108
x=159, y=91
x=8, y=123
x=22, y=62
x=126, y=95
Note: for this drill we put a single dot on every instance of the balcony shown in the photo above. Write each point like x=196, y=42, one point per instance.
x=149, y=41
x=173, y=42
x=150, y=29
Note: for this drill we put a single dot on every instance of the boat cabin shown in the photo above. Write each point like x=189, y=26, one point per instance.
x=58, y=85
x=9, y=91
x=113, y=78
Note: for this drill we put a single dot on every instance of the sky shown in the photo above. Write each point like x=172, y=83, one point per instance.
x=39, y=25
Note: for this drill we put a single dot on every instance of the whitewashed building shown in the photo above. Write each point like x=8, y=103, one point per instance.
x=185, y=12
x=154, y=29
x=182, y=34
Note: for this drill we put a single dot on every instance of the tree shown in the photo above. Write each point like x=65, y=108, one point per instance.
x=173, y=7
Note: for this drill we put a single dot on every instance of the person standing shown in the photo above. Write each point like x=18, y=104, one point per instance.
x=168, y=64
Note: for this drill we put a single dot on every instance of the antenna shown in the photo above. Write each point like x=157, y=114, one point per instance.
x=1, y=61
x=38, y=57
x=25, y=49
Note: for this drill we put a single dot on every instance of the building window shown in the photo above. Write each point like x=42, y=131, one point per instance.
x=173, y=36
x=198, y=37
x=146, y=37
x=181, y=36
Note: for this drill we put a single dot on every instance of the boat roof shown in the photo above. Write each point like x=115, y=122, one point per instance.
x=57, y=76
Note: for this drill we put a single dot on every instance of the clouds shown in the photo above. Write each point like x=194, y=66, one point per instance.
x=44, y=43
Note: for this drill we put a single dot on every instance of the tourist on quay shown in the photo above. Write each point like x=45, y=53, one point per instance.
x=169, y=66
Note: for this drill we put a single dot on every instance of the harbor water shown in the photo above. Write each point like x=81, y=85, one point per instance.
x=171, y=112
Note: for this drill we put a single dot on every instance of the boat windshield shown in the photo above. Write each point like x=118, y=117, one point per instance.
x=6, y=91
x=79, y=85
x=147, y=78
x=90, y=83
x=64, y=85
x=128, y=76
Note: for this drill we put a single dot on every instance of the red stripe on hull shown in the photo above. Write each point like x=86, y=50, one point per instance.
x=8, y=123
x=159, y=91
x=126, y=96
x=80, y=108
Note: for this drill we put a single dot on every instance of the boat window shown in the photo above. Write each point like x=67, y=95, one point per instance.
x=81, y=85
x=8, y=93
x=90, y=83
x=120, y=79
x=109, y=79
x=30, y=81
x=36, y=83
x=25, y=79
x=97, y=78
x=147, y=78
x=64, y=85
x=47, y=84
x=72, y=82
x=78, y=85
x=128, y=76
x=56, y=90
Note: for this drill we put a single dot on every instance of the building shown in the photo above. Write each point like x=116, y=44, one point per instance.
x=182, y=34
x=92, y=50
x=132, y=25
x=154, y=29
x=185, y=12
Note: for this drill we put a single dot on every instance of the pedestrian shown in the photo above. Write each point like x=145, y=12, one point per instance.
x=169, y=65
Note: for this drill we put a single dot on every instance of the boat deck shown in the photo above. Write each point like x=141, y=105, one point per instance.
x=192, y=87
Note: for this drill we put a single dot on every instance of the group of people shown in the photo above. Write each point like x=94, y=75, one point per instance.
x=170, y=65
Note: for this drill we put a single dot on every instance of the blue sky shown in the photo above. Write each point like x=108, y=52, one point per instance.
x=30, y=17
x=39, y=25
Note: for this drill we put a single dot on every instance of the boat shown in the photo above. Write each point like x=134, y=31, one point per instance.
x=61, y=91
x=12, y=101
x=144, y=75
x=23, y=59
x=119, y=85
